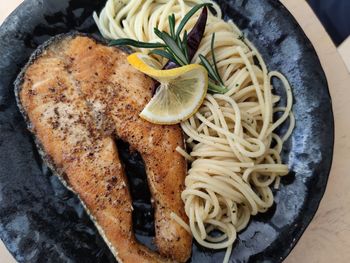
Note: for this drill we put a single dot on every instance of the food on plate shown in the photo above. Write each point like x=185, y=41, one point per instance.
x=232, y=144
x=180, y=93
x=191, y=69
x=78, y=95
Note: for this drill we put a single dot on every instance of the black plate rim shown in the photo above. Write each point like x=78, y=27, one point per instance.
x=312, y=215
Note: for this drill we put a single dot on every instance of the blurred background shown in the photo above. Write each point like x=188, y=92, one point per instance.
x=335, y=17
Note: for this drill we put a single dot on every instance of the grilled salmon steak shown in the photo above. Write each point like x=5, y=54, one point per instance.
x=77, y=95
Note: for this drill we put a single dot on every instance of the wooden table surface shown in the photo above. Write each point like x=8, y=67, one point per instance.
x=327, y=239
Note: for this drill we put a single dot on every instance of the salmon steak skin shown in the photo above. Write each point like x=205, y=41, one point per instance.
x=78, y=95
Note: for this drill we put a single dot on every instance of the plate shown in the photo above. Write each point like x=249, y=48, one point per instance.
x=40, y=221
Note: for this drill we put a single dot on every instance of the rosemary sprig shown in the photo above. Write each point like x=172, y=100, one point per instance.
x=172, y=47
x=135, y=43
x=163, y=53
x=176, y=49
x=218, y=85
x=171, y=19
x=188, y=16
x=219, y=79
x=208, y=66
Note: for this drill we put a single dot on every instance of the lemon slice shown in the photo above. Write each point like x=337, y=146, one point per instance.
x=181, y=92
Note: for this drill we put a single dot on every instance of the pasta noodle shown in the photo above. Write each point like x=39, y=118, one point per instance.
x=231, y=141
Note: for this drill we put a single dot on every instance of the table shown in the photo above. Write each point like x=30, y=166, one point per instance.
x=327, y=239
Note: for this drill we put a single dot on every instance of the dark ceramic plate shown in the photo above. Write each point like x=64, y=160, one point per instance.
x=40, y=221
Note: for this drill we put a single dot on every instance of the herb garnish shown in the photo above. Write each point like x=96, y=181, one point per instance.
x=181, y=50
x=213, y=72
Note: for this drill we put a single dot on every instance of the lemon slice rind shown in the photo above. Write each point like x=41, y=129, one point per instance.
x=181, y=92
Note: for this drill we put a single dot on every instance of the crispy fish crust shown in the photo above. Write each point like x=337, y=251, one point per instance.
x=76, y=94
